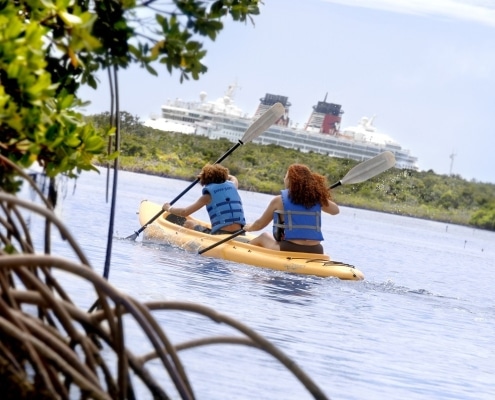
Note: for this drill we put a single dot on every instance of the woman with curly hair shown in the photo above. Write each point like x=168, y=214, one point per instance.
x=296, y=213
x=221, y=199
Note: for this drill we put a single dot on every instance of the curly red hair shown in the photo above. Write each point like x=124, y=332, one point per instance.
x=307, y=188
x=215, y=173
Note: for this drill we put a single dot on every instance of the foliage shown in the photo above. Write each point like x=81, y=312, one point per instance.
x=49, y=49
x=261, y=168
x=485, y=216
x=38, y=121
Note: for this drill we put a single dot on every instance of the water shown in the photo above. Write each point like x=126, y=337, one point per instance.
x=421, y=325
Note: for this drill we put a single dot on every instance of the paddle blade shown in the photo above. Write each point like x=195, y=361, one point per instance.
x=132, y=237
x=369, y=168
x=267, y=119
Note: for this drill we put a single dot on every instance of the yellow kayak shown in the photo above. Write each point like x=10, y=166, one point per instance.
x=167, y=229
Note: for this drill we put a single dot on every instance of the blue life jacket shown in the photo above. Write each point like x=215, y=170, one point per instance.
x=298, y=222
x=225, y=207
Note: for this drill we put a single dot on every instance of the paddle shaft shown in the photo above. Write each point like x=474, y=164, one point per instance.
x=336, y=184
x=235, y=234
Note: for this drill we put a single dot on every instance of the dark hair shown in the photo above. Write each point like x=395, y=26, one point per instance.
x=307, y=188
x=215, y=173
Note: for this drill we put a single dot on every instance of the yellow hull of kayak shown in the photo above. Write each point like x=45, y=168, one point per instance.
x=238, y=249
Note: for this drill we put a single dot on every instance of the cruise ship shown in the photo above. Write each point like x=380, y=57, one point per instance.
x=321, y=134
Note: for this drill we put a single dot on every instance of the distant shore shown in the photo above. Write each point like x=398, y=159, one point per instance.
x=378, y=208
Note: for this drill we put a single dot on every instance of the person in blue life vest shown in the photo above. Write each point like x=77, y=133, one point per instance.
x=296, y=213
x=221, y=199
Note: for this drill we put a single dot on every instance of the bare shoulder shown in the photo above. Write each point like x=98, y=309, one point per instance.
x=276, y=202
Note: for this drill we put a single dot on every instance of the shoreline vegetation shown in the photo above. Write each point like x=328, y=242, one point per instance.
x=261, y=168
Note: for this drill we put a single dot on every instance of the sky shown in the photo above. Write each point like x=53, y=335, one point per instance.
x=424, y=68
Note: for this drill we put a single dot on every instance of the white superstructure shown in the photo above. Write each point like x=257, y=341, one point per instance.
x=321, y=134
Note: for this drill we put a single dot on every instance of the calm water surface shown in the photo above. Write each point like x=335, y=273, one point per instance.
x=421, y=326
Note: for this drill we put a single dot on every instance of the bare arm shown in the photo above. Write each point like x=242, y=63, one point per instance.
x=267, y=216
x=332, y=208
x=185, y=211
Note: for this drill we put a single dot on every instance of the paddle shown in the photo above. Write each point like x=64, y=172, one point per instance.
x=368, y=169
x=360, y=173
x=267, y=119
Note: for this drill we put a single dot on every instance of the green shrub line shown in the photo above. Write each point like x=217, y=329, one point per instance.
x=261, y=168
